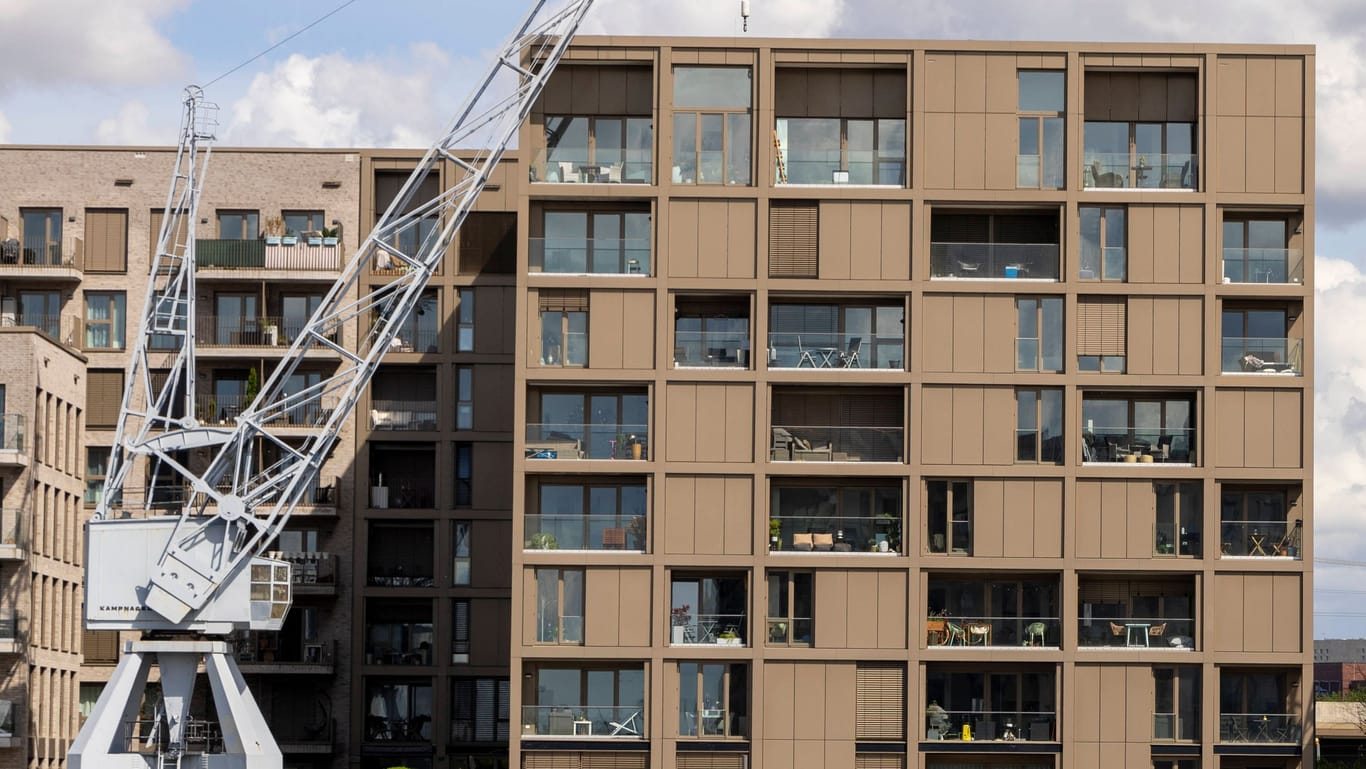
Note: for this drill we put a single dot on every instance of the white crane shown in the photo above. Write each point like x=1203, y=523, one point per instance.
x=185, y=577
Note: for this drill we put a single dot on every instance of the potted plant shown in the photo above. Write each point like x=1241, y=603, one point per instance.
x=313, y=238
x=728, y=637
x=775, y=534
x=330, y=235
x=291, y=238
x=269, y=331
x=679, y=618
x=275, y=229
x=936, y=625
x=253, y=385
x=637, y=447
x=544, y=540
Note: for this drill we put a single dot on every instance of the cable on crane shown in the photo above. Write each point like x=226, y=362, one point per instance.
x=310, y=25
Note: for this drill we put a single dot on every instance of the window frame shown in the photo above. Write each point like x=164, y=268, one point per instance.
x=1038, y=428
x=50, y=240
x=1181, y=524
x=95, y=474
x=1043, y=334
x=1133, y=175
x=783, y=586
x=1041, y=118
x=953, y=487
x=460, y=633
x=310, y=215
x=467, y=711
x=1176, y=678
x=727, y=711
x=462, y=532
x=565, y=325
x=462, y=461
x=464, y=398
x=1104, y=215
x=566, y=581
x=464, y=338
x=591, y=150
x=116, y=324
x=877, y=151
x=247, y=215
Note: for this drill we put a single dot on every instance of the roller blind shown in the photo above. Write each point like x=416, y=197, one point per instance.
x=880, y=702
x=103, y=395
x=710, y=761
x=100, y=647
x=879, y=761
x=563, y=300
x=595, y=760
x=1102, y=326
x=106, y=240
x=793, y=230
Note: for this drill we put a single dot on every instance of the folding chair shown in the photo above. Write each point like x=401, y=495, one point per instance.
x=849, y=358
x=807, y=356
x=630, y=726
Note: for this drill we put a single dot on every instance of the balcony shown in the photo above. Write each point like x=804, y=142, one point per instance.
x=392, y=642
x=233, y=256
x=403, y=475
x=578, y=441
x=61, y=329
x=994, y=261
x=222, y=410
x=1262, y=355
x=708, y=611
x=840, y=151
x=825, y=443
x=1260, y=539
x=399, y=710
x=836, y=519
x=605, y=149
x=13, y=535
x=1264, y=265
x=590, y=256
x=1137, y=612
x=621, y=722
x=403, y=415
x=1137, y=632
x=969, y=631
x=711, y=349
x=602, y=532
x=1123, y=170
x=43, y=258
x=1025, y=611
x=1264, y=728
x=401, y=554
x=262, y=653
x=313, y=573
x=10, y=640
x=13, y=447
x=269, y=332
x=296, y=736
x=990, y=725
x=1129, y=445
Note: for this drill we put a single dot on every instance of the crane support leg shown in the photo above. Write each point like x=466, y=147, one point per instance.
x=118, y=736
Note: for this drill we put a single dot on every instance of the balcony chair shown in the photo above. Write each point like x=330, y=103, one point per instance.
x=808, y=355
x=1157, y=631
x=1119, y=631
x=781, y=450
x=823, y=542
x=1033, y=631
x=979, y=633
x=614, y=538
x=630, y=727
x=954, y=630
x=849, y=358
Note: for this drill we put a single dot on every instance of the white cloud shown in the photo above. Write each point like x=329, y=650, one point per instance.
x=130, y=126
x=334, y=101
x=805, y=18
x=103, y=42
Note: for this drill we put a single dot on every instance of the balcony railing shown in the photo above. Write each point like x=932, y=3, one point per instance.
x=1172, y=539
x=615, y=721
x=567, y=630
x=1174, y=726
x=566, y=441
x=412, y=653
x=62, y=329
x=1259, y=727
x=599, y=256
x=988, y=725
x=808, y=443
x=13, y=531
x=711, y=349
x=792, y=349
x=13, y=430
x=993, y=631
x=403, y=575
x=402, y=415
x=994, y=261
x=1140, y=632
x=258, y=255
x=1138, y=444
x=1263, y=265
x=585, y=532
x=237, y=331
x=259, y=649
x=838, y=534
x=709, y=630
x=1262, y=355
x=40, y=253
x=634, y=168
x=1145, y=171
x=310, y=568
x=1259, y=539
x=223, y=410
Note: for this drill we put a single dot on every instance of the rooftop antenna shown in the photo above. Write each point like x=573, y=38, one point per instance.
x=744, y=14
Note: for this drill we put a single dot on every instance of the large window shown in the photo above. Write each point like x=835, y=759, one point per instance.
x=1176, y=703
x=1038, y=333
x=1179, y=526
x=591, y=425
x=239, y=225
x=1256, y=250
x=1256, y=340
x=994, y=705
x=596, y=242
x=818, y=150
x=948, y=516
x=1104, y=253
x=464, y=330
x=713, y=700
x=399, y=632
x=791, y=612
x=400, y=553
x=299, y=222
x=837, y=519
x=1128, y=429
x=398, y=710
x=1139, y=154
x=559, y=606
x=587, y=702
x=1041, y=105
x=708, y=610
x=860, y=336
x=711, y=332
x=994, y=245
x=598, y=149
x=564, y=338
x=1038, y=431
x=1255, y=521
x=105, y=320
x=42, y=234
x=464, y=397
x=1001, y=610
x=712, y=135
x=570, y=515
x=42, y=310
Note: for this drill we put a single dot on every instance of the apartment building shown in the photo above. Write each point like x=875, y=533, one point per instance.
x=793, y=404
x=915, y=404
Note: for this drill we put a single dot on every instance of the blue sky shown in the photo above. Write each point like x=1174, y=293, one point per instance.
x=390, y=72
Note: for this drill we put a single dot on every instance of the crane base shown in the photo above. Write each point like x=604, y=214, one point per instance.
x=118, y=736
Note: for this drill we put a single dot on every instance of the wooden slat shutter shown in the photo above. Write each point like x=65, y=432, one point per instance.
x=100, y=647
x=710, y=761
x=793, y=229
x=859, y=410
x=1102, y=326
x=563, y=300
x=880, y=706
x=1104, y=591
x=106, y=240
x=960, y=228
x=605, y=759
x=879, y=761
x=103, y=396
x=555, y=760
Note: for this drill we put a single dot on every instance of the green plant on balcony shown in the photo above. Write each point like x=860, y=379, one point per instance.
x=543, y=540
x=775, y=534
x=330, y=235
x=253, y=385
x=291, y=238
x=269, y=331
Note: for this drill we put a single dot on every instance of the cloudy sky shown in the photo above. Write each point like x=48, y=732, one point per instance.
x=390, y=72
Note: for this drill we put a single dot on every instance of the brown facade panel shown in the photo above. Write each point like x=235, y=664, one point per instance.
x=1257, y=613
x=846, y=600
x=864, y=240
x=1166, y=244
x=1259, y=428
x=709, y=423
x=707, y=515
x=621, y=329
x=1165, y=335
